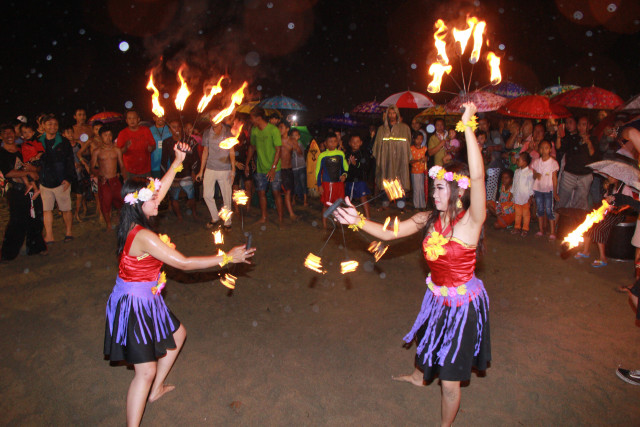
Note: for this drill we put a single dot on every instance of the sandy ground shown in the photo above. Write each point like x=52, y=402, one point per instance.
x=290, y=347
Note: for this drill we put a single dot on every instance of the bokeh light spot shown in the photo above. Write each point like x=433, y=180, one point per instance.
x=252, y=59
x=501, y=46
x=612, y=7
x=128, y=104
x=578, y=15
x=123, y=46
x=84, y=137
x=49, y=57
x=165, y=95
x=589, y=33
x=431, y=128
x=291, y=25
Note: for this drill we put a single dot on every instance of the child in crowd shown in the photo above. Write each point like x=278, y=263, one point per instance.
x=503, y=209
x=31, y=150
x=452, y=145
x=418, y=166
x=358, y=161
x=81, y=181
x=522, y=190
x=331, y=172
x=545, y=187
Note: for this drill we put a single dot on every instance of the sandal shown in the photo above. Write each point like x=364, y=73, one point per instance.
x=68, y=238
x=515, y=231
x=539, y=234
x=552, y=237
x=581, y=255
x=598, y=263
x=525, y=233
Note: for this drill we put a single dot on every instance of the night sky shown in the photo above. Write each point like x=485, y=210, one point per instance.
x=330, y=55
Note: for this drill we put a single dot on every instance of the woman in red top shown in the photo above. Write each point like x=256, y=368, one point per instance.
x=452, y=328
x=140, y=329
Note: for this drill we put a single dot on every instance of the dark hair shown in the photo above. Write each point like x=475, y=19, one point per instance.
x=67, y=127
x=292, y=130
x=79, y=109
x=48, y=117
x=97, y=122
x=131, y=110
x=104, y=129
x=526, y=157
x=285, y=123
x=6, y=126
x=131, y=215
x=330, y=135
x=415, y=134
x=27, y=126
x=481, y=132
x=258, y=112
x=545, y=141
x=508, y=172
x=438, y=120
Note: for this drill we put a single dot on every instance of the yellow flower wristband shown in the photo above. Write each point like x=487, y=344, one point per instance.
x=178, y=168
x=226, y=259
x=359, y=224
x=471, y=124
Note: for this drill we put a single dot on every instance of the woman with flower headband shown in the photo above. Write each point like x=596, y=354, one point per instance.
x=140, y=329
x=452, y=328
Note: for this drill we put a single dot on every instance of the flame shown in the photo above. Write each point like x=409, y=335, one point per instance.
x=386, y=223
x=494, y=66
x=377, y=249
x=348, y=267
x=314, y=263
x=575, y=237
x=206, y=98
x=229, y=281
x=224, y=213
x=240, y=197
x=218, y=238
x=236, y=99
x=156, y=107
x=393, y=188
x=462, y=36
x=477, y=41
x=183, y=92
x=437, y=70
x=232, y=140
x=441, y=45
x=396, y=227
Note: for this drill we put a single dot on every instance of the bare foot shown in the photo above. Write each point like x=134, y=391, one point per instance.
x=155, y=395
x=415, y=378
x=294, y=218
x=262, y=220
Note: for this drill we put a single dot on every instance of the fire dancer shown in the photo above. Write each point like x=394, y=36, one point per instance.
x=140, y=329
x=452, y=329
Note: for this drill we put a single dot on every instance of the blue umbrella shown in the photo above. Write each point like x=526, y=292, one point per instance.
x=282, y=103
x=508, y=89
x=340, y=120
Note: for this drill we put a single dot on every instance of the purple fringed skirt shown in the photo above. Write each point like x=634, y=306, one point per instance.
x=139, y=326
x=452, y=334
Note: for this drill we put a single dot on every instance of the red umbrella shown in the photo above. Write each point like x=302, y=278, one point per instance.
x=593, y=98
x=106, y=117
x=534, y=107
x=408, y=99
x=485, y=101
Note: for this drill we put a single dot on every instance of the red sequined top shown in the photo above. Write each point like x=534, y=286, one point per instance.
x=451, y=262
x=144, y=268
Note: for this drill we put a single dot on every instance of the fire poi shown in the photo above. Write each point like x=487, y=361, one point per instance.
x=574, y=238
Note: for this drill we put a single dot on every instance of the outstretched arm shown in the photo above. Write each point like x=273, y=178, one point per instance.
x=478, y=208
x=168, y=177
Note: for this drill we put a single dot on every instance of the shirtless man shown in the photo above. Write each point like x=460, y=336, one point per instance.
x=85, y=153
x=106, y=158
x=82, y=127
x=286, y=171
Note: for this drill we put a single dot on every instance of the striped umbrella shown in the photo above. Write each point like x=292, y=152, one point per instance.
x=408, y=99
x=592, y=98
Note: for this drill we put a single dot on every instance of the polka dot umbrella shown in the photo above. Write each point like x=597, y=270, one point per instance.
x=534, y=107
x=592, y=98
x=485, y=101
x=555, y=90
x=508, y=89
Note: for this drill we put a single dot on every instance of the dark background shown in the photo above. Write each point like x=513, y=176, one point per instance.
x=330, y=55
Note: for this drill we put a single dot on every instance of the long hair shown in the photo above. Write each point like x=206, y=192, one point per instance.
x=131, y=215
x=452, y=210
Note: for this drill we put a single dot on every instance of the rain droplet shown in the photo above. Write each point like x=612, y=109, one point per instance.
x=165, y=95
x=476, y=3
x=49, y=57
x=26, y=271
x=383, y=275
x=54, y=42
x=291, y=25
x=32, y=71
x=589, y=33
x=123, y=46
x=353, y=26
x=335, y=59
x=254, y=323
x=315, y=308
x=593, y=68
x=551, y=38
x=578, y=15
x=319, y=97
x=269, y=5
x=314, y=223
x=414, y=66
x=39, y=75
x=82, y=31
x=612, y=7
x=263, y=228
x=259, y=87
x=128, y=104
x=501, y=46
x=431, y=128
x=386, y=85
x=501, y=10
x=87, y=264
x=510, y=58
x=252, y=59
x=590, y=54
x=84, y=137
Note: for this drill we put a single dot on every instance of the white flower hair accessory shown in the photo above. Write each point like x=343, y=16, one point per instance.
x=144, y=194
x=438, y=172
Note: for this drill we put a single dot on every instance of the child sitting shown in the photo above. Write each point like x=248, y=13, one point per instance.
x=502, y=209
x=545, y=187
x=331, y=172
x=522, y=190
x=418, y=164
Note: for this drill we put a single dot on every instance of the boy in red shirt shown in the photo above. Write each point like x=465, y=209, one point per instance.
x=136, y=143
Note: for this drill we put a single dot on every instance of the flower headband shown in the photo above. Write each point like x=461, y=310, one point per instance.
x=144, y=194
x=438, y=172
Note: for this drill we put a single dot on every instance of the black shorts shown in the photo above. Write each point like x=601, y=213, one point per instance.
x=286, y=175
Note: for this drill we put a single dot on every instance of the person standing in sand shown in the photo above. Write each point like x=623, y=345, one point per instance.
x=286, y=171
x=105, y=160
x=452, y=328
x=139, y=328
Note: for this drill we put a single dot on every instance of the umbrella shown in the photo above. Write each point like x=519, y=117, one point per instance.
x=558, y=89
x=508, y=89
x=621, y=171
x=534, y=107
x=371, y=107
x=632, y=105
x=340, y=120
x=593, y=98
x=248, y=106
x=106, y=117
x=282, y=103
x=485, y=101
x=408, y=99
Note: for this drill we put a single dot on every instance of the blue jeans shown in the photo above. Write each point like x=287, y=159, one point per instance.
x=262, y=182
x=544, y=204
x=300, y=182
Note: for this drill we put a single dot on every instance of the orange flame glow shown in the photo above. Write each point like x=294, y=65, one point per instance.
x=314, y=263
x=224, y=213
x=240, y=197
x=393, y=189
x=437, y=70
x=232, y=140
x=575, y=237
x=348, y=266
x=386, y=223
x=183, y=92
x=156, y=107
x=478, y=31
x=377, y=249
x=206, y=98
x=229, y=281
x=218, y=238
x=441, y=46
x=494, y=66
x=236, y=99
x=396, y=227
x=462, y=36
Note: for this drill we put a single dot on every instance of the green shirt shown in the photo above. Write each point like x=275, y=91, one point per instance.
x=266, y=141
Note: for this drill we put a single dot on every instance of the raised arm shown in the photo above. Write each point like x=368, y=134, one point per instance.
x=168, y=177
x=478, y=208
